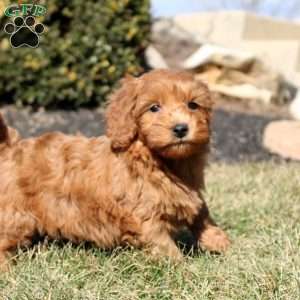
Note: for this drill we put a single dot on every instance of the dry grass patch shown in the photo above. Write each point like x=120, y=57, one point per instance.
x=258, y=204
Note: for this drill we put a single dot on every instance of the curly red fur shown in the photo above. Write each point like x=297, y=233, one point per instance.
x=121, y=127
x=138, y=185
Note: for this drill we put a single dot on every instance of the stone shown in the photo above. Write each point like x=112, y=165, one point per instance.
x=235, y=73
x=222, y=56
x=274, y=41
x=172, y=42
x=283, y=138
x=154, y=59
x=295, y=107
x=244, y=91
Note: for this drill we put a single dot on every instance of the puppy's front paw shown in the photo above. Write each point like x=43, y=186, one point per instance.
x=173, y=253
x=214, y=239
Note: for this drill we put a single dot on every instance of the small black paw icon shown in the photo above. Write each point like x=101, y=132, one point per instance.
x=24, y=32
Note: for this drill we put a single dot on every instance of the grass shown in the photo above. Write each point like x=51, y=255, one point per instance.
x=258, y=204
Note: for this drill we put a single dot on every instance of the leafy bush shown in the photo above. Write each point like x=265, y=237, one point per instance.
x=87, y=47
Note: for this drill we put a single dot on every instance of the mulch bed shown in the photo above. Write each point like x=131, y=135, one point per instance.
x=237, y=136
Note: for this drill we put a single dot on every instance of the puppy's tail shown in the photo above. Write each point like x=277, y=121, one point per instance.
x=8, y=136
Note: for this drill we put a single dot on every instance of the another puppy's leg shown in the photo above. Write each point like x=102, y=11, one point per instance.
x=16, y=229
x=208, y=235
x=157, y=237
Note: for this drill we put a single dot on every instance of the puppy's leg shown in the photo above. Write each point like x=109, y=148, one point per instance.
x=131, y=231
x=105, y=223
x=207, y=234
x=157, y=237
x=16, y=229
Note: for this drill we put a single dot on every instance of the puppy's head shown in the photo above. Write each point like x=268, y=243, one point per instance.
x=167, y=110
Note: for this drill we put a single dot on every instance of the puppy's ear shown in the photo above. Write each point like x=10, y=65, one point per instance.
x=121, y=125
x=207, y=98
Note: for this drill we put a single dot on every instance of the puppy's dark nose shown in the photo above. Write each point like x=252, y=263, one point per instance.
x=181, y=130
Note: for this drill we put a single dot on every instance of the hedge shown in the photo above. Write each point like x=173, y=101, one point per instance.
x=88, y=45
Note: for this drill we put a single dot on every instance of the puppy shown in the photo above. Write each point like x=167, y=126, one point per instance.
x=137, y=185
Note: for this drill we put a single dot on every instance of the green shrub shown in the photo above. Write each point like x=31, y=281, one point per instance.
x=87, y=47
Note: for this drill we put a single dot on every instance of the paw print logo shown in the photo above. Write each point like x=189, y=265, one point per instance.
x=24, y=32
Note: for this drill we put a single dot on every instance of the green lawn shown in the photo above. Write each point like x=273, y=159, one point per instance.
x=258, y=204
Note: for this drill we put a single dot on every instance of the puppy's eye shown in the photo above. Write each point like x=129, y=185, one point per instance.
x=155, y=108
x=193, y=105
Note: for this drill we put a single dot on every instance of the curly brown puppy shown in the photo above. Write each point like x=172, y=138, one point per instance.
x=137, y=185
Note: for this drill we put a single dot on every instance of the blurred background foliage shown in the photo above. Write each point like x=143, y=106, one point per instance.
x=87, y=47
